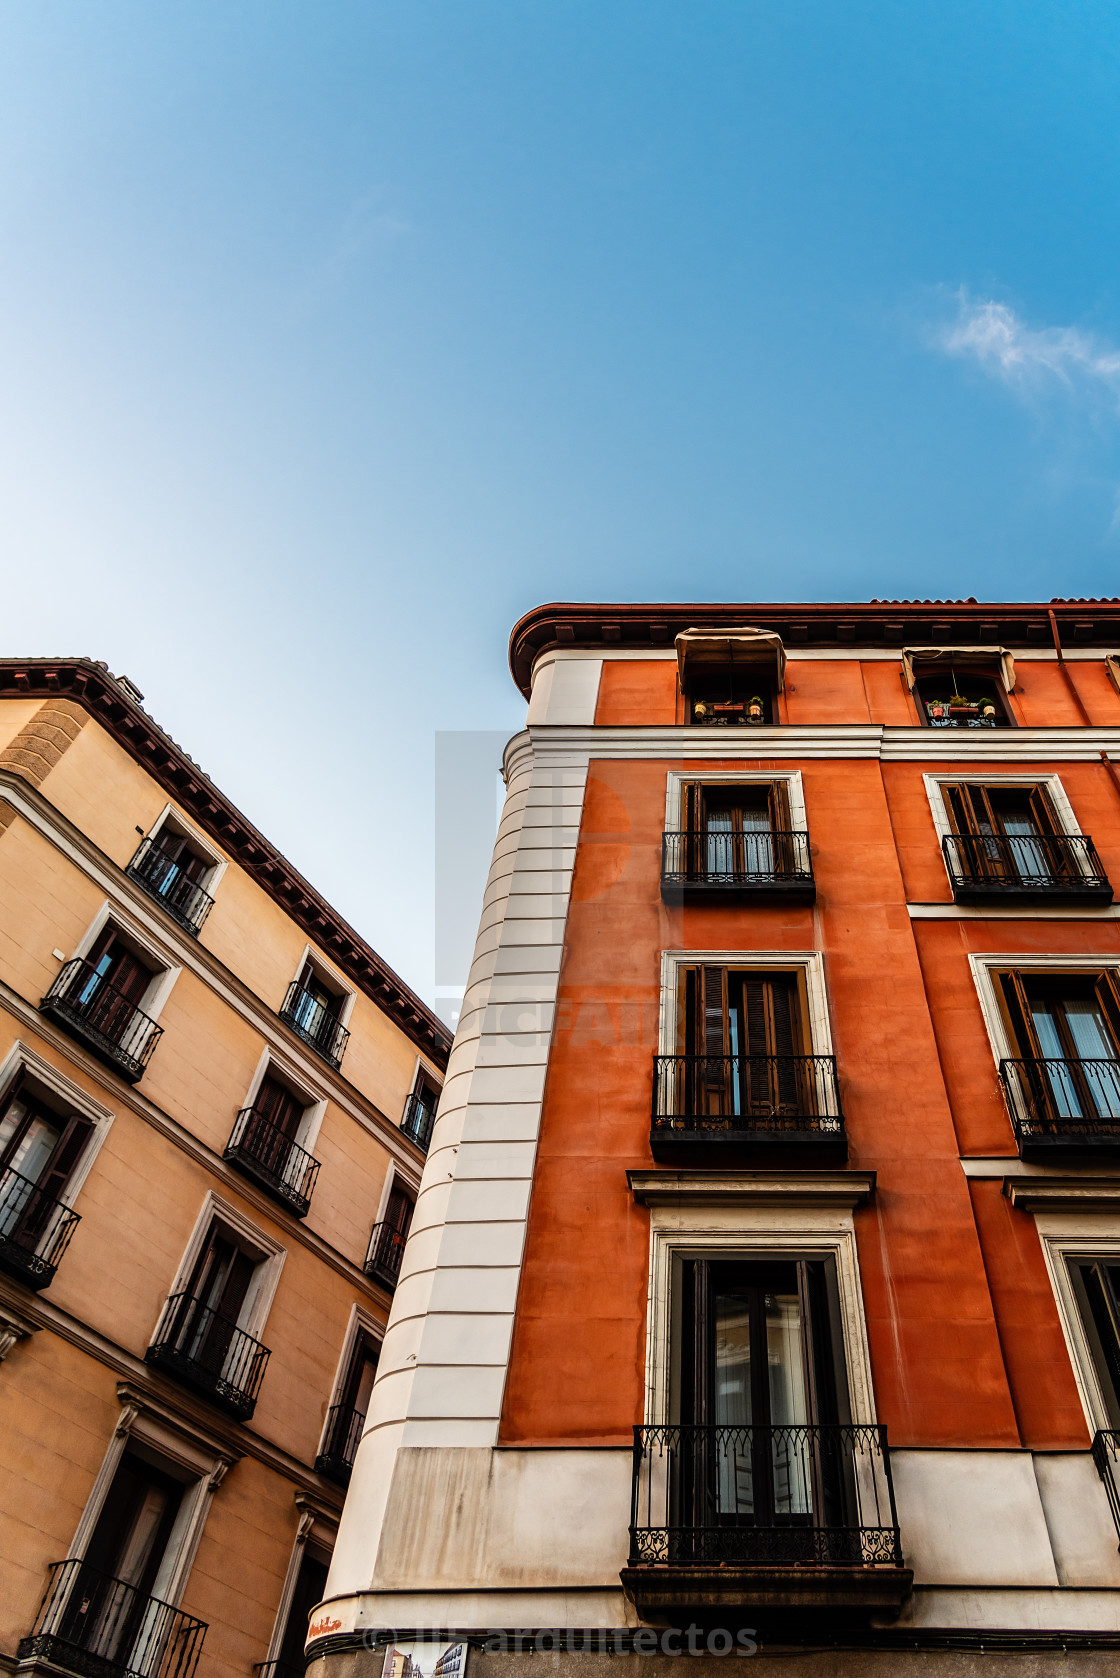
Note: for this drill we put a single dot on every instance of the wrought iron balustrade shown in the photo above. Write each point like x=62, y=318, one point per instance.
x=315, y=1023
x=266, y=1153
x=92, y=1008
x=340, y=1443
x=1025, y=865
x=98, y=1627
x=419, y=1117
x=209, y=1353
x=752, y=864
x=164, y=879
x=746, y=1099
x=386, y=1250
x=1106, y=1456
x=763, y=1496
x=35, y=1230
x=1062, y=1104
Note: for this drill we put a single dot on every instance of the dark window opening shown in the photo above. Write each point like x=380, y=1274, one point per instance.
x=731, y=696
x=386, y=1247
x=1097, y=1287
x=346, y=1418
x=310, y=1589
x=40, y=1148
x=964, y=699
x=1065, y=1080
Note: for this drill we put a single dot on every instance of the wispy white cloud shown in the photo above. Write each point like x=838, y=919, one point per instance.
x=1029, y=358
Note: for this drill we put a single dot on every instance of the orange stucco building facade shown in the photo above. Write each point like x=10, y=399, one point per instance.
x=214, y=1104
x=765, y=1270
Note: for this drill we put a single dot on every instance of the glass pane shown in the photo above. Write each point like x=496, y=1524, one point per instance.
x=788, y=1403
x=734, y=1469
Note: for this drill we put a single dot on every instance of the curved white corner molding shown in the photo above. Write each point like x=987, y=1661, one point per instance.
x=565, y=690
x=443, y=1364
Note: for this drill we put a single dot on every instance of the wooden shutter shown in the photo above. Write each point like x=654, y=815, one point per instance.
x=279, y=1106
x=1043, y=811
x=128, y=975
x=398, y=1212
x=692, y=800
x=1108, y=995
x=958, y=806
x=1018, y=1015
x=714, y=1024
x=780, y=820
x=68, y=1150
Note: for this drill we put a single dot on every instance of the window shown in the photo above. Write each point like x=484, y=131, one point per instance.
x=308, y=1590
x=1011, y=839
x=970, y=701
x=41, y=1145
x=386, y=1247
x=346, y=1417
x=420, y=1108
x=1096, y=1287
x=206, y=1336
x=742, y=1029
x=731, y=839
x=1064, y=1083
x=313, y=1008
x=174, y=866
x=266, y=1143
x=726, y=697
x=99, y=997
x=108, y=1611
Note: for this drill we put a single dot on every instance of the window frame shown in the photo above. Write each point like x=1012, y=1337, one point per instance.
x=986, y=968
x=1079, y=1238
x=790, y=780
x=808, y=966
x=360, y=1322
x=40, y=1072
x=172, y=819
x=331, y=980
x=935, y=784
x=266, y=1275
x=314, y=1106
x=165, y=972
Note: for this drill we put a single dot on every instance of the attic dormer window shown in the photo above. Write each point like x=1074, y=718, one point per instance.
x=730, y=679
x=960, y=687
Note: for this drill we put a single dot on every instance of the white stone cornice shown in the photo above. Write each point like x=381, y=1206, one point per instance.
x=757, y=1188
x=567, y=746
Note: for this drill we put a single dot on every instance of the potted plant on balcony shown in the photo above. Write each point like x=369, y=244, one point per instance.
x=755, y=709
x=959, y=706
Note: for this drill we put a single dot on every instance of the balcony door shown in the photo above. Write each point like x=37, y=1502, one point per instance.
x=1006, y=832
x=735, y=830
x=1067, y=1028
x=316, y=1008
x=111, y=1612
x=742, y=1031
x=207, y=1328
x=758, y=1380
x=309, y=1590
x=39, y=1149
x=274, y=1124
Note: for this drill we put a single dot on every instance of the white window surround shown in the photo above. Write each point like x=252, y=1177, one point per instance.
x=188, y=1455
x=985, y=967
x=424, y=1068
x=173, y=819
x=360, y=1322
x=747, y=1231
x=316, y=1532
x=41, y=1072
x=790, y=779
x=1067, y=1237
x=1051, y=784
x=314, y=1107
x=270, y=1260
x=165, y=971
x=809, y=963
x=411, y=1185
x=332, y=979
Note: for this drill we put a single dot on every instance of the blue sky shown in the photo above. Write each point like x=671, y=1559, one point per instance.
x=334, y=336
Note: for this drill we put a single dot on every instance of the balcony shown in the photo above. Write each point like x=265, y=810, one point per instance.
x=165, y=881
x=737, y=868
x=386, y=1249
x=1041, y=868
x=97, y=1627
x=34, y=1230
x=1063, y=1106
x=210, y=1354
x=780, y=1518
x=91, y=1008
x=261, y=1150
x=419, y=1117
x=313, y=1021
x=340, y=1443
x=1106, y=1456
x=707, y=1107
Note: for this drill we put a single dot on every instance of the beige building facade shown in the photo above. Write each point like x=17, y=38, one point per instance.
x=215, y=1102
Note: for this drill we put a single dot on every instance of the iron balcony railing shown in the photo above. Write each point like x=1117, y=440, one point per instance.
x=209, y=1353
x=419, y=1117
x=98, y=1627
x=386, y=1249
x=34, y=1230
x=1023, y=865
x=92, y=1008
x=315, y=1023
x=751, y=863
x=164, y=880
x=340, y=1443
x=746, y=1098
x=763, y=1496
x=1062, y=1104
x=1106, y=1455
x=264, y=1152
